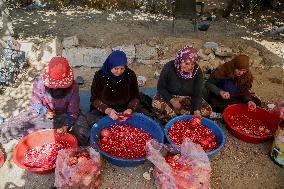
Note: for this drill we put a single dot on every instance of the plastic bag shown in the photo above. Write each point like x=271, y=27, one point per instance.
x=195, y=170
x=279, y=109
x=77, y=168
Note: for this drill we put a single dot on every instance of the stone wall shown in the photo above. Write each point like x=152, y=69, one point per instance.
x=209, y=58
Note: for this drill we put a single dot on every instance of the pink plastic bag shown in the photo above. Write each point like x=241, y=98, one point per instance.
x=194, y=166
x=77, y=168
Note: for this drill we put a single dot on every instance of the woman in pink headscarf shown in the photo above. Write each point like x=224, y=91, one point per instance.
x=179, y=87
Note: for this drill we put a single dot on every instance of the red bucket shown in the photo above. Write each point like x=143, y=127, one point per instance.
x=2, y=158
x=39, y=138
x=270, y=120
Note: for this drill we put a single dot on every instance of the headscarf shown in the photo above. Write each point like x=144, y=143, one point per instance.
x=226, y=71
x=116, y=58
x=58, y=73
x=186, y=53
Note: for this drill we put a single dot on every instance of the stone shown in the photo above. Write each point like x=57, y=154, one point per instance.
x=147, y=176
x=164, y=61
x=206, y=65
x=211, y=56
x=202, y=55
x=141, y=80
x=39, y=53
x=70, y=42
x=129, y=50
x=83, y=56
x=206, y=54
x=156, y=75
x=146, y=62
x=223, y=51
x=282, y=49
x=207, y=51
x=145, y=52
x=30, y=51
x=49, y=50
x=250, y=50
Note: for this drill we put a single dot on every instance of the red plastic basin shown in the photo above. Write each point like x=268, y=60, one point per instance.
x=39, y=138
x=2, y=158
x=271, y=120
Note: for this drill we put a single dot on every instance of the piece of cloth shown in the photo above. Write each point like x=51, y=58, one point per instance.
x=58, y=73
x=170, y=84
x=229, y=85
x=214, y=86
x=43, y=102
x=226, y=70
x=116, y=58
x=119, y=95
x=186, y=54
x=165, y=110
x=28, y=122
x=219, y=104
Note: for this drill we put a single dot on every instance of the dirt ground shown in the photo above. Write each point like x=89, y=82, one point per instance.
x=238, y=165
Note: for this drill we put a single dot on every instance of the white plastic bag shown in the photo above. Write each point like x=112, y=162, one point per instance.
x=193, y=170
x=77, y=168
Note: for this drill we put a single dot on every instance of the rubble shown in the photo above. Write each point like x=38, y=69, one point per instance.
x=223, y=51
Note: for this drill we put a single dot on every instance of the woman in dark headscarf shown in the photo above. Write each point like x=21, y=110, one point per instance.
x=114, y=89
x=180, y=86
x=230, y=84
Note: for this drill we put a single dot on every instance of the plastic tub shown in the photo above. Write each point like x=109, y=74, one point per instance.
x=139, y=121
x=39, y=138
x=218, y=132
x=271, y=120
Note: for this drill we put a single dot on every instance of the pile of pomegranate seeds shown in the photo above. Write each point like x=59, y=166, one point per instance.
x=44, y=156
x=195, y=131
x=125, y=141
x=250, y=126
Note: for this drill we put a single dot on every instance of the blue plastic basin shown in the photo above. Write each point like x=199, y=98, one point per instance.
x=207, y=123
x=139, y=121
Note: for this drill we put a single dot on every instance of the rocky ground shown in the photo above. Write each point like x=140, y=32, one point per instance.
x=238, y=165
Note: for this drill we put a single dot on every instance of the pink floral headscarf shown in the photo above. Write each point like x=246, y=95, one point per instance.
x=186, y=53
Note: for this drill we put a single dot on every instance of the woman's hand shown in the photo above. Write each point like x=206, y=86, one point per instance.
x=176, y=104
x=126, y=112
x=225, y=94
x=50, y=114
x=197, y=114
x=111, y=113
x=62, y=130
x=251, y=106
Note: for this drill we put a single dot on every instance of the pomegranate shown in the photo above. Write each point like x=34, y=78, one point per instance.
x=105, y=133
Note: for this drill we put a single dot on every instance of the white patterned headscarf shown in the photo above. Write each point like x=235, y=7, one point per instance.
x=187, y=53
